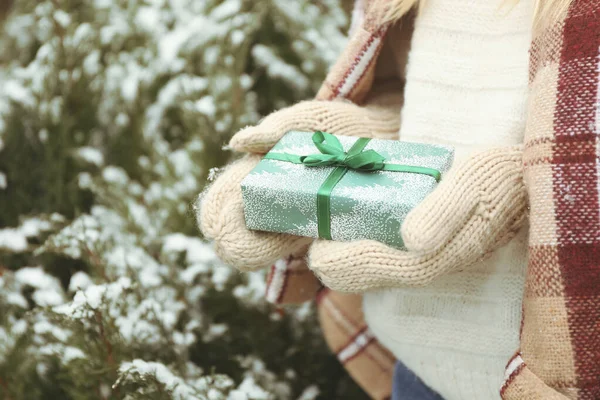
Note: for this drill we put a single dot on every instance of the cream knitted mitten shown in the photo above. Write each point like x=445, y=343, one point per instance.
x=221, y=217
x=220, y=208
x=476, y=209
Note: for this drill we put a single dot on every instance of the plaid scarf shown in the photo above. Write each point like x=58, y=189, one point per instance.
x=560, y=338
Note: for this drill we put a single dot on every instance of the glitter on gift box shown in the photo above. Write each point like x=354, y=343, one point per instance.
x=280, y=196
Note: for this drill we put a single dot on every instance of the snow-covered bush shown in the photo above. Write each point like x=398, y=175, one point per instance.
x=112, y=115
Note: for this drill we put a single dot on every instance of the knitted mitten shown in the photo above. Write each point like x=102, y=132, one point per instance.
x=476, y=209
x=220, y=211
x=221, y=217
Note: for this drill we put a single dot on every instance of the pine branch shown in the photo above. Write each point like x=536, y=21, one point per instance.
x=106, y=124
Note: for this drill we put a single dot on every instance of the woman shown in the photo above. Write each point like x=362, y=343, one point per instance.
x=455, y=73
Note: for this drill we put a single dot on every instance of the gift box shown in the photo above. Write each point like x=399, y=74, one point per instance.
x=340, y=187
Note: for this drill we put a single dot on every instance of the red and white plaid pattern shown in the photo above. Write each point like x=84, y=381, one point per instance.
x=356, y=345
x=560, y=339
x=347, y=334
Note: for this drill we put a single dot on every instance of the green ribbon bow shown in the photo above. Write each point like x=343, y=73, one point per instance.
x=332, y=154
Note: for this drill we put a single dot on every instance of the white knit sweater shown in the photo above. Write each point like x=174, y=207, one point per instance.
x=466, y=86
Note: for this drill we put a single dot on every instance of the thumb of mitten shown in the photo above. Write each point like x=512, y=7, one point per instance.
x=486, y=193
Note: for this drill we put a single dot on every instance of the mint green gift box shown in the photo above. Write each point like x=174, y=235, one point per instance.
x=342, y=188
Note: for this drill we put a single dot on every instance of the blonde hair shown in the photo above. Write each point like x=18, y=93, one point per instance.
x=392, y=10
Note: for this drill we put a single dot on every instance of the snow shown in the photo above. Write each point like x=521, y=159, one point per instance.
x=130, y=86
x=246, y=82
x=103, y=3
x=16, y=92
x=33, y=227
x=190, y=273
x=148, y=18
x=215, y=331
x=13, y=240
x=66, y=353
x=180, y=85
x=197, y=251
x=122, y=120
x=310, y=393
x=19, y=327
x=114, y=174
x=55, y=108
x=211, y=55
x=237, y=37
x=220, y=126
x=62, y=18
x=91, y=63
x=206, y=105
x=184, y=339
x=222, y=83
x=41, y=369
x=221, y=274
x=181, y=389
x=16, y=299
x=176, y=242
x=183, y=164
x=214, y=394
x=72, y=353
x=43, y=135
x=79, y=281
x=277, y=68
x=91, y=155
x=226, y=9
x=83, y=31
x=135, y=328
x=237, y=395
x=48, y=297
x=48, y=291
x=254, y=290
x=252, y=390
x=93, y=296
x=84, y=180
x=198, y=27
x=44, y=326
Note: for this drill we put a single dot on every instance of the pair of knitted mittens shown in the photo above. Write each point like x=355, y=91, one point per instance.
x=477, y=207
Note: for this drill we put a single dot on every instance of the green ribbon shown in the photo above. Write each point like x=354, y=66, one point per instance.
x=332, y=154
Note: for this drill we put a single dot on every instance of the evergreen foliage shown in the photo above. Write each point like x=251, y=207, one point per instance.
x=113, y=114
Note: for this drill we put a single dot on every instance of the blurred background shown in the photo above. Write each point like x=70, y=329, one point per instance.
x=113, y=117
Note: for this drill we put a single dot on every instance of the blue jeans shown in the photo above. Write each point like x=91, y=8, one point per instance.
x=408, y=386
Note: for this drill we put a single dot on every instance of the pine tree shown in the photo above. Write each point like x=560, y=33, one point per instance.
x=113, y=116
